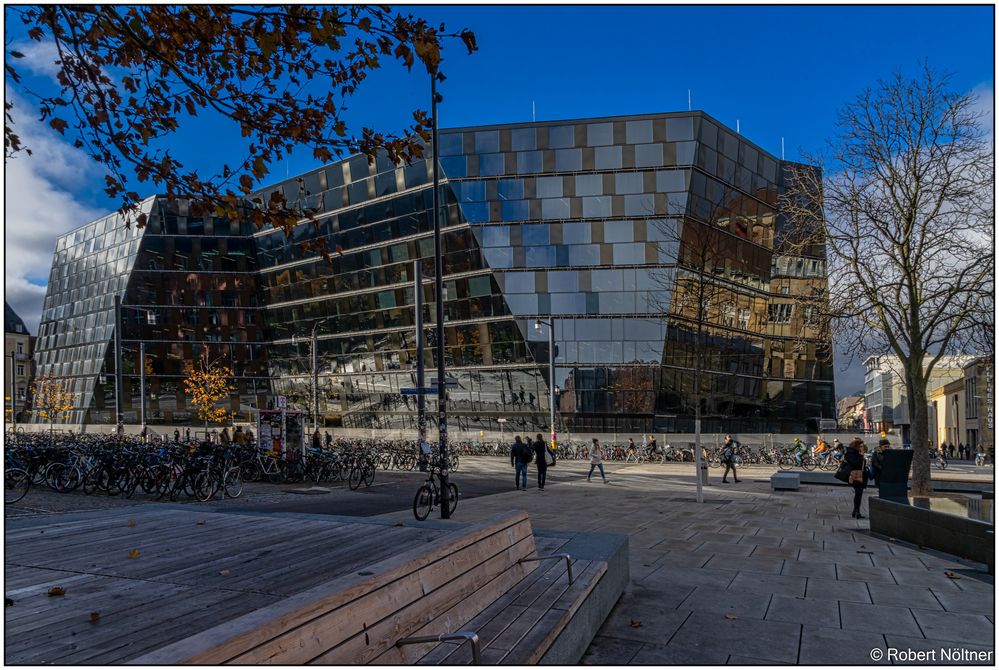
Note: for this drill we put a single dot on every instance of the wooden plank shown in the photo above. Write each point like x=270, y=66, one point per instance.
x=559, y=574
x=223, y=642
x=360, y=631
x=497, y=616
x=530, y=649
x=583, y=583
x=157, y=632
x=538, y=639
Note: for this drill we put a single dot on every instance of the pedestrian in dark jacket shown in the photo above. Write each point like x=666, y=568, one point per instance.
x=520, y=456
x=854, y=457
x=541, y=458
x=728, y=459
x=878, y=459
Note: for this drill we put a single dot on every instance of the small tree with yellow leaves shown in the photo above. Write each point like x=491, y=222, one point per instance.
x=206, y=384
x=53, y=400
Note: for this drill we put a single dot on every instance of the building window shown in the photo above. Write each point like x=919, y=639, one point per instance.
x=20, y=347
x=779, y=313
x=971, y=398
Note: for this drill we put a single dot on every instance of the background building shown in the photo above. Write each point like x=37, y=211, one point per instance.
x=19, y=369
x=886, y=401
x=851, y=414
x=602, y=225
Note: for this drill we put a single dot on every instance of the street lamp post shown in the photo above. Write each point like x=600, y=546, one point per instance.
x=315, y=375
x=439, y=295
x=551, y=373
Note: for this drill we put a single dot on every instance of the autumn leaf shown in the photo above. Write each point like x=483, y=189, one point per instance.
x=950, y=574
x=224, y=573
x=59, y=125
x=635, y=623
x=95, y=617
x=7, y=602
x=57, y=591
x=134, y=553
x=729, y=615
x=200, y=523
x=132, y=523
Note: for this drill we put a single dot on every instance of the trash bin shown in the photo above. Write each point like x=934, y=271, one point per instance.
x=704, y=475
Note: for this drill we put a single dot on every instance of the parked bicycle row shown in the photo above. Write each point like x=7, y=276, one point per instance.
x=122, y=466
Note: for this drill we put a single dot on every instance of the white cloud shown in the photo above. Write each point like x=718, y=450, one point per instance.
x=39, y=57
x=38, y=207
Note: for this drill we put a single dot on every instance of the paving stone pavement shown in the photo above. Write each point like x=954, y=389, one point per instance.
x=753, y=576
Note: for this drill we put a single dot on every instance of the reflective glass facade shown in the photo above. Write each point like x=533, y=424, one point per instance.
x=652, y=242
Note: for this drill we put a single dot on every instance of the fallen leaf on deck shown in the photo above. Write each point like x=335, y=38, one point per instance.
x=201, y=523
x=132, y=523
x=57, y=591
x=729, y=615
x=95, y=617
x=224, y=573
x=635, y=623
x=950, y=574
x=7, y=602
x=134, y=553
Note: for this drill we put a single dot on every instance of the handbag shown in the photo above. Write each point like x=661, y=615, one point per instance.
x=857, y=476
x=549, y=457
x=843, y=473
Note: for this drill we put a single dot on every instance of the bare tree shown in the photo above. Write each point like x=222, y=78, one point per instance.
x=908, y=201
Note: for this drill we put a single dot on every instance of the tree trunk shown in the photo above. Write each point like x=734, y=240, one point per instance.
x=919, y=428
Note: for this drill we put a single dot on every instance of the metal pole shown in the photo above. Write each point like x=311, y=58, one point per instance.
x=315, y=380
x=142, y=384
x=421, y=399
x=117, y=361
x=13, y=391
x=551, y=372
x=439, y=288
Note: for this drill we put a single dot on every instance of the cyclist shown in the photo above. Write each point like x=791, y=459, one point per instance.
x=800, y=450
x=651, y=447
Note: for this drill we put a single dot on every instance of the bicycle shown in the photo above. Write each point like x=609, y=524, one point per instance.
x=429, y=496
x=16, y=483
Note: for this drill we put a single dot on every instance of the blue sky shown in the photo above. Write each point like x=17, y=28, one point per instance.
x=780, y=71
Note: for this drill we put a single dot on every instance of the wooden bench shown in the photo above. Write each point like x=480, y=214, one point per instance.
x=485, y=576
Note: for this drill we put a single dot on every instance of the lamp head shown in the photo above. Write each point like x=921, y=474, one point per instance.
x=537, y=325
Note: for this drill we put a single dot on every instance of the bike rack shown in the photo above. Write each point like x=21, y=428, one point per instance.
x=471, y=636
x=567, y=557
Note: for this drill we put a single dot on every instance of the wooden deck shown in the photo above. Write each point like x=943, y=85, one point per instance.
x=193, y=571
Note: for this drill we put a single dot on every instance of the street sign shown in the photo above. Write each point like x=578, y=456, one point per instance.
x=281, y=402
x=418, y=391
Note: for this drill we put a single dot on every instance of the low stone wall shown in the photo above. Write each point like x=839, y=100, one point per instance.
x=960, y=536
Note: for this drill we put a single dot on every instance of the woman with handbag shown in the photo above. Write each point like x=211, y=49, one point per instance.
x=854, y=459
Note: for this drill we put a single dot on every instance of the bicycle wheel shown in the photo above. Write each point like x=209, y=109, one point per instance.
x=368, y=475
x=943, y=465
x=452, y=498
x=423, y=503
x=233, y=482
x=205, y=485
x=785, y=463
x=16, y=483
x=808, y=463
x=355, y=478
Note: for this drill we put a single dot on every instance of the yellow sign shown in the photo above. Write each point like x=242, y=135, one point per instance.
x=884, y=434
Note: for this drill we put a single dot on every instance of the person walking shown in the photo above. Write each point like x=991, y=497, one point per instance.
x=239, y=437
x=854, y=458
x=176, y=435
x=520, y=456
x=878, y=458
x=224, y=438
x=728, y=458
x=596, y=460
x=317, y=440
x=541, y=457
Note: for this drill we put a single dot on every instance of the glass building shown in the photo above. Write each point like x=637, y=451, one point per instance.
x=654, y=243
